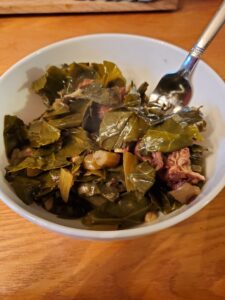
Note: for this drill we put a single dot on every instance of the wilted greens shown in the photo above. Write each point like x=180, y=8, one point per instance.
x=95, y=152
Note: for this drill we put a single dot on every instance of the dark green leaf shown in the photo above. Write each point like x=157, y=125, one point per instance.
x=58, y=108
x=48, y=86
x=92, y=117
x=161, y=200
x=40, y=133
x=48, y=183
x=112, y=125
x=120, y=127
x=77, y=110
x=128, y=211
x=49, y=179
x=142, y=90
x=76, y=73
x=190, y=115
x=96, y=93
x=25, y=188
x=96, y=200
x=131, y=100
x=46, y=163
x=133, y=97
x=15, y=134
x=69, y=121
x=68, y=77
x=197, y=158
x=143, y=177
x=109, y=74
x=76, y=142
x=48, y=149
x=115, y=176
x=169, y=136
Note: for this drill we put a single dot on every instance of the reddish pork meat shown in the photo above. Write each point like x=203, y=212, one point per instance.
x=178, y=169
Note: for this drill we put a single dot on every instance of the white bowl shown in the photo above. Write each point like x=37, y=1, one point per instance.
x=140, y=59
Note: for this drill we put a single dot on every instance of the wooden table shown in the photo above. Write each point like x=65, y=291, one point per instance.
x=186, y=261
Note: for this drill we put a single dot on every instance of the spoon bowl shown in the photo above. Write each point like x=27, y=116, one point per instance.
x=172, y=92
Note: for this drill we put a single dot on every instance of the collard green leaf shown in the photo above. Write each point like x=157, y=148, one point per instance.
x=46, y=163
x=132, y=100
x=76, y=142
x=133, y=97
x=117, y=172
x=142, y=90
x=190, y=115
x=169, y=136
x=19, y=155
x=120, y=127
x=142, y=178
x=76, y=207
x=134, y=129
x=48, y=86
x=96, y=200
x=113, y=75
x=161, y=200
x=68, y=77
x=77, y=110
x=49, y=179
x=98, y=94
x=197, y=158
x=115, y=178
x=76, y=73
x=58, y=109
x=40, y=133
x=79, y=106
x=48, y=149
x=25, y=188
x=109, y=74
x=127, y=212
x=111, y=126
x=15, y=133
x=65, y=122
x=110, y=191
x=48, y=183
x=93, y=116
x=39, y=84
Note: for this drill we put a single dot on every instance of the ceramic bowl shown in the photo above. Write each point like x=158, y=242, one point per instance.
x=140, y=59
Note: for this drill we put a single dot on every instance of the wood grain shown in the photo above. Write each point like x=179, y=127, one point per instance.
x=81, y=6
x=185, y=262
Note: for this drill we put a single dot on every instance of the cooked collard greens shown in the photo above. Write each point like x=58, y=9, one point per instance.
x=97, y=154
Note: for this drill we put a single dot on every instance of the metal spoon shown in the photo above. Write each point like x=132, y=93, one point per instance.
x=174, y=90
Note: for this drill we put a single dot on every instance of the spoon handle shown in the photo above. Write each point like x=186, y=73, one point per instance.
x=207, y=36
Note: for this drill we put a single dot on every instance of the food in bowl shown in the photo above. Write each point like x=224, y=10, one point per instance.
x=96, y=153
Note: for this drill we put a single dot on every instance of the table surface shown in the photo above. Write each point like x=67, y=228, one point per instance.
x=186, y=261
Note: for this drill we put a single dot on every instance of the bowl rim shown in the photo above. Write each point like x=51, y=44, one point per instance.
x=113, y=234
